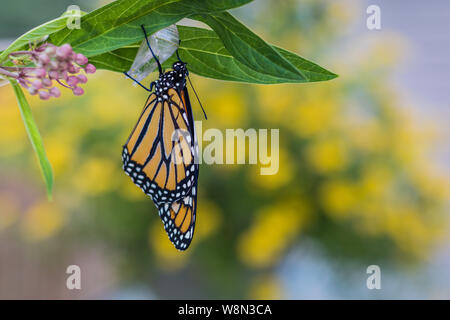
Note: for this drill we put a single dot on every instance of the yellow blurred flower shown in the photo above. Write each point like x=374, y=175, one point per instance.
x=369, y=137
x=96, y=176
x=375, y=180
x=328, y=155
x=272, y=230
x=409, y=230
x=167, y=257
x=266, y=288
x=274, y=102
x=13, y=134
x=285, y=174
x=60, y=154
x=370, y=220
x=343, y=11
x=311, y=118
x=429, y=181
x=407, y=143
x=228, y=108
x=11, y=124
x=339, y=197
x=208, y=219
x=42, y=221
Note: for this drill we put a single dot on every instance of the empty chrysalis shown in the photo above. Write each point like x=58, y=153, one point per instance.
x=164, y=43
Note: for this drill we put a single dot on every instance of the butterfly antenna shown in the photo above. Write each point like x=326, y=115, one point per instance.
x=198, y=99
x=153, y=54
x=178, y=55
x=149, y=90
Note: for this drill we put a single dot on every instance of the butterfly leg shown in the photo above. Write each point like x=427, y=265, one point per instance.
x=151, y=85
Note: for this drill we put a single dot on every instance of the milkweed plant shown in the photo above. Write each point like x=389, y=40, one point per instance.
x=58, y=55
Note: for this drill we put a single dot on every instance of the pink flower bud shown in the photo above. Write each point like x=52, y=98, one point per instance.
x=54, y=65
x=40, y=72
x=44, y=95
x=44, y=58
x=72, y=81
x=55, y=92
x=63, y=65
x=77, y=91
x=32, y=90
x=90, y=68
x=64, y=51
x=50, y=50
x=82, y=78
x=37, y=84
x=73, y=69
x=81, y=59
x=53, y=74
x=22, y=82
x=47, y=82
x=63, y=75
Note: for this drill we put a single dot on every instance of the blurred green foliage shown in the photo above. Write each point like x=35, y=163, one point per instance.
x=19, y=16
x=354, y=174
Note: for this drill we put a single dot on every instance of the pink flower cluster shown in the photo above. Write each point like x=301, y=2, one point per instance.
x=60, y=64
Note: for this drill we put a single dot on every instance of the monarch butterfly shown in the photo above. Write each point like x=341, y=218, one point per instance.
x=160, y=154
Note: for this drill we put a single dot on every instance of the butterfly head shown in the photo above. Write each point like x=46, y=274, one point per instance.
x=180, y=68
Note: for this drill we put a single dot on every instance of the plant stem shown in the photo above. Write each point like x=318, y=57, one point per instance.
x=18, y=53
x=8, y=74
x=57, y=80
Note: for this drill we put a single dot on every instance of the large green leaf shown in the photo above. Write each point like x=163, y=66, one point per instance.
x=249, y=49
x=207, y=56
x=119, y=60
x=35, y=137
x=38, y=33
x=118, y=24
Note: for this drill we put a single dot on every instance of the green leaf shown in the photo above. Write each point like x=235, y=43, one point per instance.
x=119, y=60
x=35, y=137
x=37, y=33
x=207, y=56
x=118, y=24
x=313, y=72
x=249, y=49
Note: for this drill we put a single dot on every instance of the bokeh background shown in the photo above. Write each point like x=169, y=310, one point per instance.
x=363, y=179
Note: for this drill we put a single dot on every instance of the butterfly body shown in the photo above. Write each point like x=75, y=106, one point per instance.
x=161, y=152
